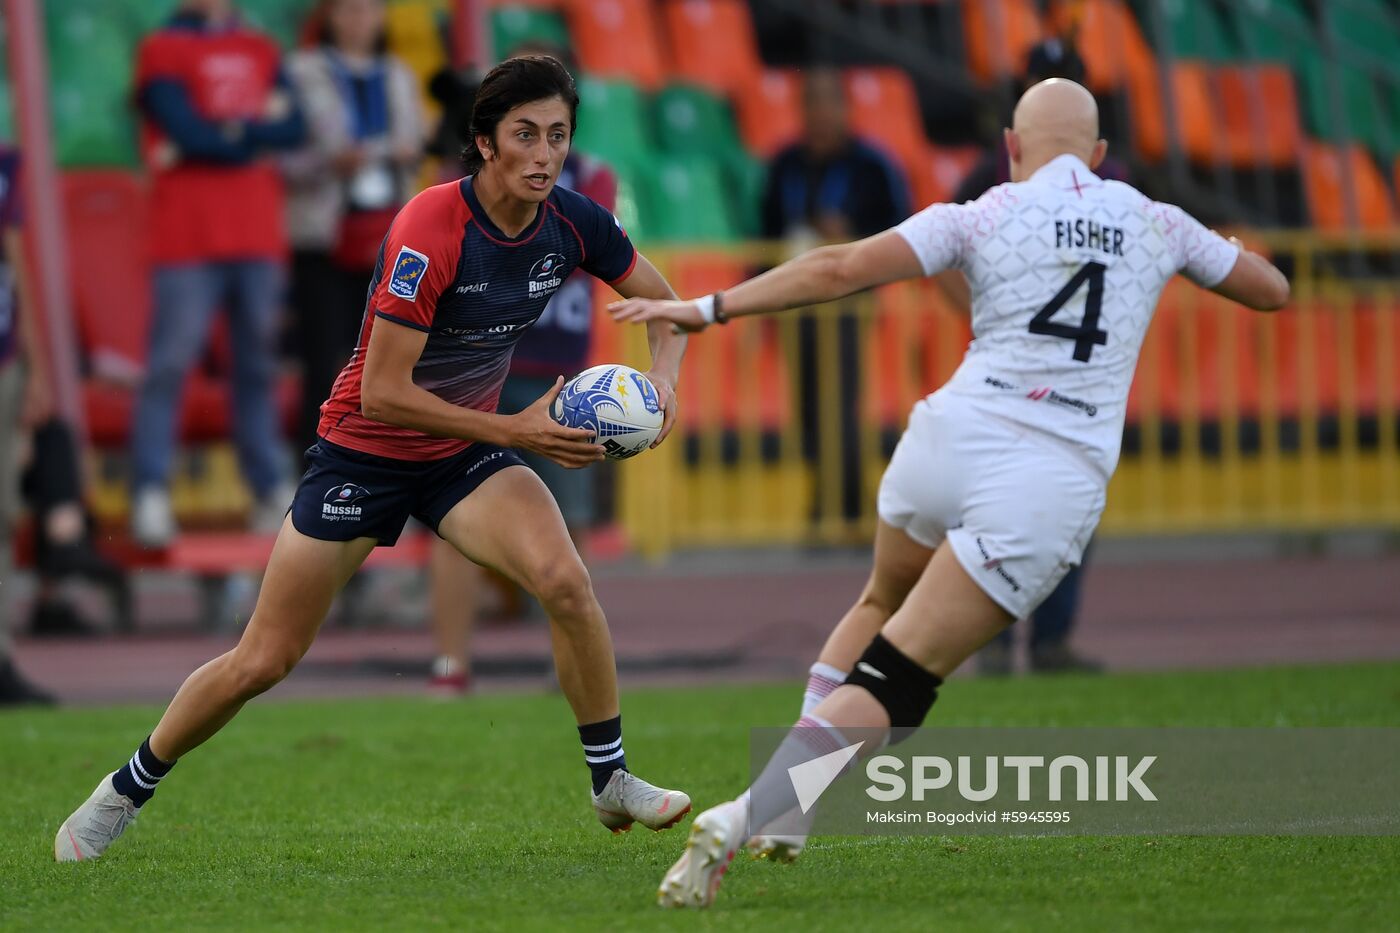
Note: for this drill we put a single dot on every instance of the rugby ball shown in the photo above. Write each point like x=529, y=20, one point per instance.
x=617, y=403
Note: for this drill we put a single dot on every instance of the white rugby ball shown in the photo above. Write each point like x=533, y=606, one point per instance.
x=617, y=403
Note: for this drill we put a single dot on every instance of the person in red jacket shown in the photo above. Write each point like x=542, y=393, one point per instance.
x=214, y=104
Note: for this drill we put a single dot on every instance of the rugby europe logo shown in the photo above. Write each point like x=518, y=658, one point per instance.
x=340, y=503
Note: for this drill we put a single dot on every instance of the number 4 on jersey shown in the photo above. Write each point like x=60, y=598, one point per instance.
x=1087, y=334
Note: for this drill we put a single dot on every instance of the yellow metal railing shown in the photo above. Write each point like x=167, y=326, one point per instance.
x=1238, y=421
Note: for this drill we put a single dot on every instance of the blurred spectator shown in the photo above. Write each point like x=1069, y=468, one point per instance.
x=214, y=101
x=24, y=400
x=63, y=547
x=366, y=133
x=556, y=344
x=1051, y=624
x=831, y=186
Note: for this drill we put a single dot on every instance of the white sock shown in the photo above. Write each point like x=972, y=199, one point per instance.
x=821, y=680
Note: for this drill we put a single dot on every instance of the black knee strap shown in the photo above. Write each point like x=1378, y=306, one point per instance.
x=904, y=688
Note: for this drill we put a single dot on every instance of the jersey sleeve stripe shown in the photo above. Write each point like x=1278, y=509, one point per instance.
x=403, y=321
x=630, y=266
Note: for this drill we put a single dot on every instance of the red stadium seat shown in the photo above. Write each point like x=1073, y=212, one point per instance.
x=770, y=114
x=105, y=216
x=618, y=39
x=1195, y=125
x=1107, y=38
x=1000, y=33
x=713, y=45
x=1259, y=114
x=885, y=108
x=1367, y=203
x=937, y=176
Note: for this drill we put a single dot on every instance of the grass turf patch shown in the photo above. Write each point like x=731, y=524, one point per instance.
x=409, y=814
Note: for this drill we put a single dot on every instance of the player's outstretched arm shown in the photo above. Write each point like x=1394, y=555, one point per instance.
x=388, y=394
x=667, y=346
x=1254, y=282
x=821, y=275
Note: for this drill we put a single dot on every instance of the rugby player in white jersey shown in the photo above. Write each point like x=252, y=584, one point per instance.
x=999, y=479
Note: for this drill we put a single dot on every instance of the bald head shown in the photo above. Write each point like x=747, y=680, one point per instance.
x=1054, y=117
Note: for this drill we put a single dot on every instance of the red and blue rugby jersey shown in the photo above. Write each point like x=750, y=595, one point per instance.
x=447, y=270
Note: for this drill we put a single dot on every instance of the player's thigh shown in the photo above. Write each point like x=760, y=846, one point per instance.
x=899, y=562
x=924, y=486
x=946, y=616
x=511, y=523
x=302, y=578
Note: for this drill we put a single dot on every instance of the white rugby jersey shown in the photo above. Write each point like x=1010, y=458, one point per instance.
x=1065, y=270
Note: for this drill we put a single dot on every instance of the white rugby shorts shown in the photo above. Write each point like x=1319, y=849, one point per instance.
x=1017, y=505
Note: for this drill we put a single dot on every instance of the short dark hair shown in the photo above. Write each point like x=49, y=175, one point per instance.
x=514, y=82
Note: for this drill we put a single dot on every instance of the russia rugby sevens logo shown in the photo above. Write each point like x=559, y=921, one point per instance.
x=545, y=276
x=340, y=502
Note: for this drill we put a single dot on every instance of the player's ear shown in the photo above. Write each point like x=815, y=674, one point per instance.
x=1013, y=144
x=485, y=147
x=1100, y=150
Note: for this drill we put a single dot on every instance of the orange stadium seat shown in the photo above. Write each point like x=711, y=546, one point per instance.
x=1259, y=114
x=999, y=35
x=885, y=109
x=713, y=45
x=618, y=39
x=713, y=365
x=939, y=172
x=1325, y=169
x=1195, y=124
x=1108, y=40
x=770, y=114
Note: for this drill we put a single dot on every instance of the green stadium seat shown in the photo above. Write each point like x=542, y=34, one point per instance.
x=514, y=26
x=1195, y=29
x=90, y=46
x=690, y=119
x=1366, y=26
x=687, y=202
x=613, y=123
x=744, y=176
x=281, y=19
x=1362, y=115
x=1273, y=30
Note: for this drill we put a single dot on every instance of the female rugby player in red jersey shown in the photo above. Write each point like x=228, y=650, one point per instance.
x=410, y=429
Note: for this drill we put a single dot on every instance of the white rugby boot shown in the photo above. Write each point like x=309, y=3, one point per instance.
x=95, y=825
x=714, y=837
x=628, y=798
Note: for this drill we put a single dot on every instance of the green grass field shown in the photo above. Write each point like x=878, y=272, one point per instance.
x=401, y=814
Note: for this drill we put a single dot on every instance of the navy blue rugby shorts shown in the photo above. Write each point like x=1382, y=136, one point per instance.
x=346, y=494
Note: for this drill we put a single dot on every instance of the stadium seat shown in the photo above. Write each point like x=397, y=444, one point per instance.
x=690, y=119
x=618, y=39
x=613, y=123
x=1259, y=114
x=688, y=201
x=1108, y=40
x=1325, y=169
x=280, y=19
x=1364, y=28
x=1273, y=30
x=90, y=69
x=939, y=172
x=1195, y=124
x=770, y=113
x=713, y=45
x=1362, y=114
x=1193, y=29
x=741, y=376
x=514, y=26
x=884, y=108
x=999, y=34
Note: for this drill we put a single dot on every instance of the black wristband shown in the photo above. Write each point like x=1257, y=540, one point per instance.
x=720, y=316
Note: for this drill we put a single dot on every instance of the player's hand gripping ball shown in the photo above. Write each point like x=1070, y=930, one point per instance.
x=617, y=403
